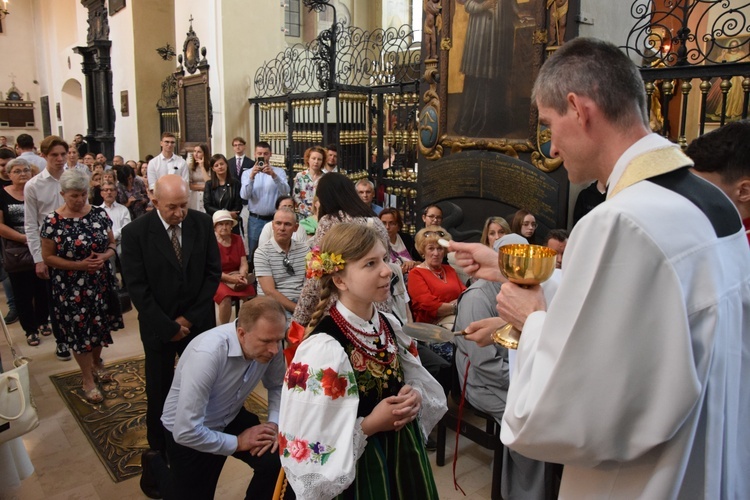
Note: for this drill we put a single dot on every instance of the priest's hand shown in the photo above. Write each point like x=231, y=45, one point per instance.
x=515, y=303
x=481, y=331
x=477, y=260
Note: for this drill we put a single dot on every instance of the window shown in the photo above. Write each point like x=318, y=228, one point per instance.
x=292, y=19
x=416, y=20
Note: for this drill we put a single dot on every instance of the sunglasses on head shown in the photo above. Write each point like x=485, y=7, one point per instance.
x=440, y=234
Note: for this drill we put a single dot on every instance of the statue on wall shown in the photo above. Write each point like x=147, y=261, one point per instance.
x=558, y=20
x=98, y=21
x=432, y=26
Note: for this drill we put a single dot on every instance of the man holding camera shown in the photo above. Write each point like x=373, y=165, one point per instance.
x=261, y=185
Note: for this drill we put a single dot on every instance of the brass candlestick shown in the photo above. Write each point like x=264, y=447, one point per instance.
x=524, y=265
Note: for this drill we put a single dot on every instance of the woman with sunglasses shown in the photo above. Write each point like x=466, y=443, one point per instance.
x=434, y=287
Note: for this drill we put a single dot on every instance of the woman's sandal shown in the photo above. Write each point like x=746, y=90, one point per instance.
x=32, y=339
x=45, y=330
x=94, y=396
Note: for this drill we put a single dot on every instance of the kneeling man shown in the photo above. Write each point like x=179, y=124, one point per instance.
x=204, y=414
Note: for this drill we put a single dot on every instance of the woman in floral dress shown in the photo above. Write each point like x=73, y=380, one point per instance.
x=306, y=181
x=77, y=243
x=356, y=403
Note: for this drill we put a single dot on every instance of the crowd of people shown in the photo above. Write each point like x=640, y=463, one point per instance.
x=627, y=381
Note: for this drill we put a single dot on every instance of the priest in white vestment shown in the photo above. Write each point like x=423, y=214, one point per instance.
x=636, y=375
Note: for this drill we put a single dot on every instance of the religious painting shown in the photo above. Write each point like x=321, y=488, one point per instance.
x=727, y=50
x=124, y=103
x=492, y=64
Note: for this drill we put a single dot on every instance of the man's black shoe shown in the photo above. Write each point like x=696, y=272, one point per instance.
x=149, y=485
x=11, y=317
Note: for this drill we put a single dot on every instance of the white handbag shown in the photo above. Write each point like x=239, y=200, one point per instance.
x=17, y=410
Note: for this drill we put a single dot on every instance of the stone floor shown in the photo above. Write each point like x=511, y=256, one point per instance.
x=68, y=468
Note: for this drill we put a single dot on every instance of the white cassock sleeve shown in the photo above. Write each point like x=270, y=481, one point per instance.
x=607, y=372
x=320, y=436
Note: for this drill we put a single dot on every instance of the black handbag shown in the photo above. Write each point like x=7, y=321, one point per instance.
x=119, y=301
x=16, y=256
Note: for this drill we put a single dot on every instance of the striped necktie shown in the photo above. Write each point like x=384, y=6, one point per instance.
x=176, y=243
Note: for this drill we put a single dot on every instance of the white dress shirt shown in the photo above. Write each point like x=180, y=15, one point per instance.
x=41, y=197
x=79, y=166
x=120, y=216
x=167, y=225
x=34, y=159
x=161, y=166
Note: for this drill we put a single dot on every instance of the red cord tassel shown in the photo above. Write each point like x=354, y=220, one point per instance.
x=456, y=486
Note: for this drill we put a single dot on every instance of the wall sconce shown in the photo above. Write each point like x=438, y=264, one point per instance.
x=167, y=52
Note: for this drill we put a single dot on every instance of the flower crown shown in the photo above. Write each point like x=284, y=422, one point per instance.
x=319, y=264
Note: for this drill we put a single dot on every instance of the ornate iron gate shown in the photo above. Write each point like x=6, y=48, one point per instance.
x=697, y=51
x=355, y=89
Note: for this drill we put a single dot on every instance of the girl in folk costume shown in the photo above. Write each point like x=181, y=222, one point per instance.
x=356, y=403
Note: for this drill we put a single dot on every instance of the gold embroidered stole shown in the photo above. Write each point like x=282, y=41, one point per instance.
x=651, y=164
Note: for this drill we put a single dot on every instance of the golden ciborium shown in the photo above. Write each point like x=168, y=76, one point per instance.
x=524, y=265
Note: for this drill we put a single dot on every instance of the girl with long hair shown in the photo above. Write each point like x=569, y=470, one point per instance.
x=356, y=403
x=339, y=202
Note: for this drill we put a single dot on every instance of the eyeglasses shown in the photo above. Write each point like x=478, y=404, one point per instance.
x=25, y=170
x=434, y=217
x=288, y=266
x=529, y=224
x=439, y=234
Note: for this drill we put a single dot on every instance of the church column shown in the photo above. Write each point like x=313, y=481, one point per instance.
x=97, y=68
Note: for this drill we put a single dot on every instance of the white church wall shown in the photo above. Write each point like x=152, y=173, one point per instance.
x=124, y=80
x=18, y=50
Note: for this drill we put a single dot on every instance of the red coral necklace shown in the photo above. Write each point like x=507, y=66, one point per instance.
x=382, y=355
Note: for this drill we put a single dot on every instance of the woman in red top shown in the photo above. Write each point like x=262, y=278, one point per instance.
x=434, y=287
x=234, y=267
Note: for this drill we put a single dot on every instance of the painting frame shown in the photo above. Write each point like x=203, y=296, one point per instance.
x=442, y=40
